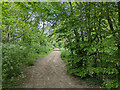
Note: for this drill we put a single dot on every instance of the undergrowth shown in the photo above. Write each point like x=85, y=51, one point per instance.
x=79, y=66
x=15, y=58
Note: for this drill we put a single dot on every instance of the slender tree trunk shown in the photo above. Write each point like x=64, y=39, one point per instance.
x=95, y=60
x=64, y=42
x=119, y=39
x=110, y=23
x=70, y=44
x=82, y=35
x=14, y=30
x=99, y=28
x=109, y=19
x=43, y=29
x=89, y=27
x=8, y=35
x=119, y=28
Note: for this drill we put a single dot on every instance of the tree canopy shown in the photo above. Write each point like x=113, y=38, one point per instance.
x=89, y=32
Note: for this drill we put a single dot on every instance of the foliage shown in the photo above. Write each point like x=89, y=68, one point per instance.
x=64, y=54
x=23, y=41
x=94, y=81
x=92, y=39
x=15, y=58
x=89, y=32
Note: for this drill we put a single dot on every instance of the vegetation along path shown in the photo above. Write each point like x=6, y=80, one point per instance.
x=50, y=72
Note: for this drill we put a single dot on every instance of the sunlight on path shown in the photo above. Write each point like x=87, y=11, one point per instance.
x=56, y=49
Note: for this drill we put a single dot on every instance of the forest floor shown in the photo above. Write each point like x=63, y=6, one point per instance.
x=50, y=72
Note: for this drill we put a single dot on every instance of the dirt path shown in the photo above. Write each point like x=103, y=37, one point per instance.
x=50, y=72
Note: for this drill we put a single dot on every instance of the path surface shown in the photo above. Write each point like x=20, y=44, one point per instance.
x=50, y=72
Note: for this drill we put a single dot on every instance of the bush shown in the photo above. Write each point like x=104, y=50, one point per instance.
x=15, y=57
x=93, y=81
x=103, y=70
x=65, y=54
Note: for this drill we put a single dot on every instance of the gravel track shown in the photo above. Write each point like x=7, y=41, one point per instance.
x=50, y=72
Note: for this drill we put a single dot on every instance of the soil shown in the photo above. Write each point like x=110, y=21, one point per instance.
x=50, y=72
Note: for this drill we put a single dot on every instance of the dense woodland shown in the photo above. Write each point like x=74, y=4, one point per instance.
x=87, y=33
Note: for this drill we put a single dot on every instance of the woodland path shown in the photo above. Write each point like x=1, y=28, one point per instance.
x=50, y=72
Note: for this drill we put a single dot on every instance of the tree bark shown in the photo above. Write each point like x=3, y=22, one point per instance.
x=8, y=35
x=119, y=28
x=14, y=29
x=89, y=27
x=119, y=37
x=109, y=19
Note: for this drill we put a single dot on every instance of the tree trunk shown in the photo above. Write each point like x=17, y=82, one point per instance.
x=119, y=28
x=119, y=39
x=109, y=19
x=89, y=27
x=8, y=35
x=82, y=35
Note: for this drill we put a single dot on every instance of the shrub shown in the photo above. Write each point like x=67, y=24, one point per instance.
x=104, y=69
x=15, y=57
x=65, y=54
